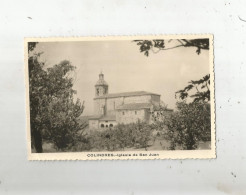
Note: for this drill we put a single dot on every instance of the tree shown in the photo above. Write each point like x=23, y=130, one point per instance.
x=189, y=125
x=37, y=76
x=202, y=90
x=53, y=112
x=191, y=122
x=202, y=85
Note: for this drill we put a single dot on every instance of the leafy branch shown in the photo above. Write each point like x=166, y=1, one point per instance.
x=199, y=86
x=157, y=45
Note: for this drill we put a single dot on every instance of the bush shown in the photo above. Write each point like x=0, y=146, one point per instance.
x=82, y=143
x=122, y=136
x=189, y=125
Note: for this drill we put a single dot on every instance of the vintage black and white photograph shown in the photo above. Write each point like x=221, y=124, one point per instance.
x=145, y=97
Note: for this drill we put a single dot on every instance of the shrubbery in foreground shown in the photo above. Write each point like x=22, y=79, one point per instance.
x=187, y=126
x=135, y=135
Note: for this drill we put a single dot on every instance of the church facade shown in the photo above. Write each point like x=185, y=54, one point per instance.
x=111, y=109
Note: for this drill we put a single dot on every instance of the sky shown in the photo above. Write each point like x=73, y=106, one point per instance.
x=125, y=69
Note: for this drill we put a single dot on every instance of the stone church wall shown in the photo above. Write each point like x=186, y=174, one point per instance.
x=93, y=124
x=155, y=99
x=113, y=103
x=107, y=124
x=131, y=116
x=98, y=105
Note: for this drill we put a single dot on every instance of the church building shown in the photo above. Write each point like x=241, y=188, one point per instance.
x=111, y=109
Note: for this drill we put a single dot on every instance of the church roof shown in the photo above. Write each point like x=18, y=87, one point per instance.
x=126, y=94
x=94, y=117
x=103, y=118
x=108, y=118
x=135, y=106
x=101, y=82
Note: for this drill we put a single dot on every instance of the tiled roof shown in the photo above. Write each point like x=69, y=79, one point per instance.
x=94, y=117
x=135, y=106
x=101, y=82
x=103, y=118
x=126, y=94
x=166, y=109
x=108, y=118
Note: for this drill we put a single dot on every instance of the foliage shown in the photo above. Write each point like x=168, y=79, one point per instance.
x=160, y=115
x=36, y=90
x=122, y=136
x=189, y=125
x=202, y=85
x=31, y=46
x=158, y=44
x=191, y=122
x=53, y=112
x=82, y=142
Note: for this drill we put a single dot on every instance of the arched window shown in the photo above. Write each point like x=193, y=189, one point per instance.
x=111, y=125
x=106, y=125
x=102, y=125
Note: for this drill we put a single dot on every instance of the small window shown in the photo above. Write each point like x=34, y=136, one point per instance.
x=106, y=121
x=123, y=113
x=106, y=125
x=136, y=112
x=111, y=125
x=102, y=125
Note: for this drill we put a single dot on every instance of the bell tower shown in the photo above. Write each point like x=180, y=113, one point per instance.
x=101, y=87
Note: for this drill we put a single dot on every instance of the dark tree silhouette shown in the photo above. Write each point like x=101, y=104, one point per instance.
x=158, y=45
x=53, y=112
x=202, y=90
